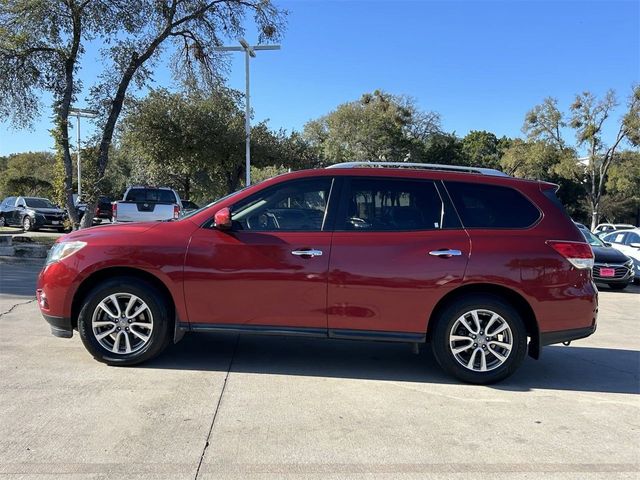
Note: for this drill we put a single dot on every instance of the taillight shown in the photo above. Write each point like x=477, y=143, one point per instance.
x=114, y=211
x=579, y=254
x=176, y=211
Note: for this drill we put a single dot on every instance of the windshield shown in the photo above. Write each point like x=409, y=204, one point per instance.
x=38, y=203
x=592, y=239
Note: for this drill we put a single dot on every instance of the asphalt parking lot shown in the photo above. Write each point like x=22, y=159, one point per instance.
x=229, y=407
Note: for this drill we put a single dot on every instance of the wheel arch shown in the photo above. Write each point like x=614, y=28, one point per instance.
x=508, y=294
x=112, y=272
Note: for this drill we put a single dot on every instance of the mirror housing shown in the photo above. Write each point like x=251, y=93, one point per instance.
x=222, y=219
x=607, y=244
x=634, y=245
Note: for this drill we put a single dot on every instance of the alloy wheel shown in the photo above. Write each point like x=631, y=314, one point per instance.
x=122, y=323
x=481, y=340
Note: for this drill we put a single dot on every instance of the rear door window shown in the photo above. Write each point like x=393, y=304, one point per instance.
x=383, y=204
x=491, y=206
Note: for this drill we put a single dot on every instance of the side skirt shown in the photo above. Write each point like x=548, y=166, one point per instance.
x=343, y=334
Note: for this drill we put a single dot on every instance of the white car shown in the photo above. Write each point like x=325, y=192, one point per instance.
x=604, y=228
x=628, y=242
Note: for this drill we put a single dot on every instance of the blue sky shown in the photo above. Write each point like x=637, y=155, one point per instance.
x=480, y=64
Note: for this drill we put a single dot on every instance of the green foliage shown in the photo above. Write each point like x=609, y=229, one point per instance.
x=27, y=174
x=483, y=149
x=42, y=42
x=624, y=175
x=540, y=160
x=195, y=142
x=588, y=117
x=379, y=126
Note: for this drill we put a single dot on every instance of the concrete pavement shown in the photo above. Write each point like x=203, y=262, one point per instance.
x=223, y=406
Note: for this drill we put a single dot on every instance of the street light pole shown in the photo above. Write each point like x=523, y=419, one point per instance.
x=80, y=112
x=249, y=52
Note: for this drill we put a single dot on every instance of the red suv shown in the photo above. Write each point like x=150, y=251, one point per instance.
x=481, y=265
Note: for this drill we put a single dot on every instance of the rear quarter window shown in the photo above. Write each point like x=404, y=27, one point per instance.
x=491, y=206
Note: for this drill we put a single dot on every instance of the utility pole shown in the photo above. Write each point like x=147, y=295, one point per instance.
x=249, y=52
x=80, y=112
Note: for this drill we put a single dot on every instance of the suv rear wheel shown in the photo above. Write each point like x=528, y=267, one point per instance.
x=480, y=339
x=124, y=321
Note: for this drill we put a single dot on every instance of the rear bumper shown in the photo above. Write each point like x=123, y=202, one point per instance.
x=60, y=326
x=560, y=336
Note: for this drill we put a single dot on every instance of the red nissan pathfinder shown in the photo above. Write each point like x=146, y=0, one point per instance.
x=481, y=265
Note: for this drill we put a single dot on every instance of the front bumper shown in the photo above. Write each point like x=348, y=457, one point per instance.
x=623, y=274
x=60, y=326
x=42, y=221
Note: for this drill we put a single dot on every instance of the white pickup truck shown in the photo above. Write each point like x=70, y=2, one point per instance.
x=147, y=204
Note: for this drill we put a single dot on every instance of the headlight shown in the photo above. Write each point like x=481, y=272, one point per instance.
x=63, y=250
x=629, y=263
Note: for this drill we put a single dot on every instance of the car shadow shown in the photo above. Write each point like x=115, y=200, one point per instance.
x=586, y=369
x=631, y=288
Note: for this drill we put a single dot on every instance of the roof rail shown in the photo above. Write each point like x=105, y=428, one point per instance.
x=427, y=166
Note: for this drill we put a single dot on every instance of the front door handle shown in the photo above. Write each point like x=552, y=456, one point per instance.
x=307, y=253
x=445, y=253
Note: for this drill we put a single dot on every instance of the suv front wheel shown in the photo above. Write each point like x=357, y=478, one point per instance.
x=124, y=321
x=479, y=339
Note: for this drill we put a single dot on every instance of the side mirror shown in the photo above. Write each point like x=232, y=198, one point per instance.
x=607, y=244
x=222, y=219
x=20, y=207
x=634, y=245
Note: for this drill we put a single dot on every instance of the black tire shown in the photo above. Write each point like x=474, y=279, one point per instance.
x=162, y=320
x=618, y=286
x=440, y=342
x=28, y=225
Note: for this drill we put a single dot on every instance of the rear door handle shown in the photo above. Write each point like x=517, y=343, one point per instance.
x=307, y=253
x=445, y=253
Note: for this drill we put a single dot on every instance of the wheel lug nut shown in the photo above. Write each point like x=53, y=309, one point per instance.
x=129, y=320
x=475, y=344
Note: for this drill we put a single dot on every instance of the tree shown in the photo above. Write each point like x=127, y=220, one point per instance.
x=194, y=142
x=588, y=116
x=28, y=173
x=379, y=126
x=42, y=41
x=541, y=160
x=483, y=149
x=622, y=198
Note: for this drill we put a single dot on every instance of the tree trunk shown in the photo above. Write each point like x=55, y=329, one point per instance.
x=595, y=214
x=63, y=117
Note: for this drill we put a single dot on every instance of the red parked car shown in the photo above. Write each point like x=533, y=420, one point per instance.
x=483, y=266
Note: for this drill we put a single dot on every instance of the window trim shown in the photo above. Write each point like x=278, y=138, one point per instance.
x=341, y=216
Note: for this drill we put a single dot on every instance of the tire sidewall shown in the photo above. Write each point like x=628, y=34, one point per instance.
x=3, y=221
x=146, y=292
x=28, y=227
x=448, y=317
